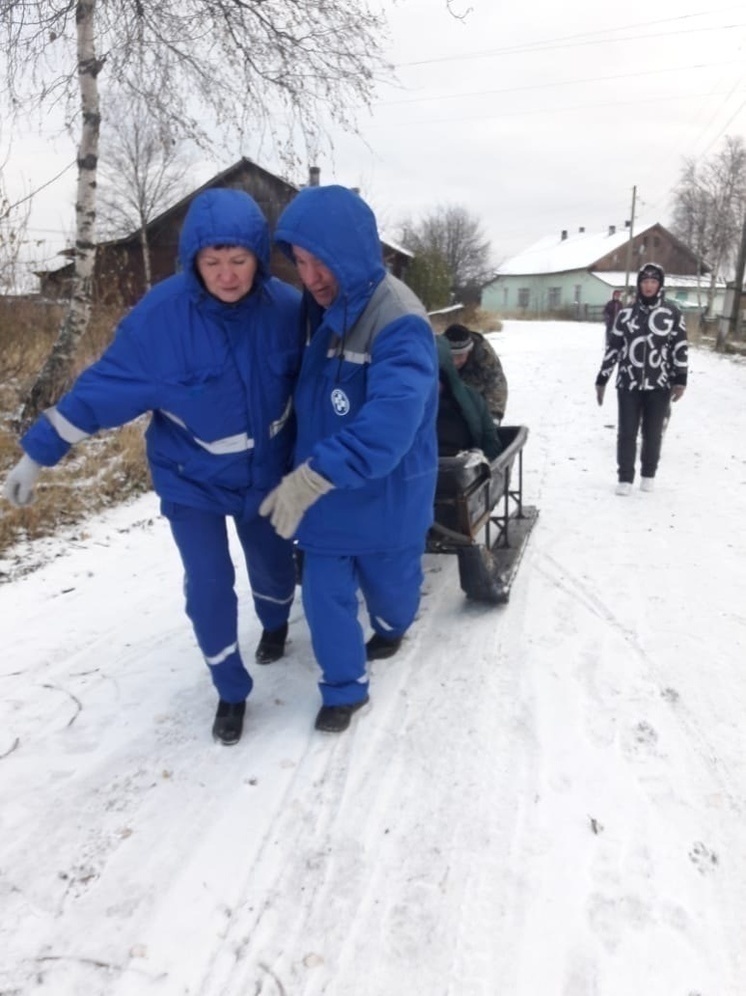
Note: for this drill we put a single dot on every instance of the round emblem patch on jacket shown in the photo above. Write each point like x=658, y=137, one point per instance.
x=340, y=401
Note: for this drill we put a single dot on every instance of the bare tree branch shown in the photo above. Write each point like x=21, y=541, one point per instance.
x=280, y=70
x=454, y=236
x=709, y=205
x=143, y=170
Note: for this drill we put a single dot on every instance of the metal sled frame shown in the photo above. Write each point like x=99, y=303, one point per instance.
x=482, y=518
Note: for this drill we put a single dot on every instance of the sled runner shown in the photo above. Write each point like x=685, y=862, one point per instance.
x=480, y=516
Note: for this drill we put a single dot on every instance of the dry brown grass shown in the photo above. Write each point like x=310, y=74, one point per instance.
x=485, y=321
x=99, y=473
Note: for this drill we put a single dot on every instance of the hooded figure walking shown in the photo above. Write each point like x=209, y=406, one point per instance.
x=213, y=353
x=648, y=344
x=360, y=500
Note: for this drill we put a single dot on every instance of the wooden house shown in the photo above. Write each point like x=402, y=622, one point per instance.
x=119, y=274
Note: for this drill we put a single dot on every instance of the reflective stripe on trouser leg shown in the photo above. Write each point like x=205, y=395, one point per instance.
x=202, y=539
x=331, y=607
x=271, y=567
x=391, y=584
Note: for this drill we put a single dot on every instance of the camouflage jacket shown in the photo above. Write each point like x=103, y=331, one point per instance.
x=483, y=371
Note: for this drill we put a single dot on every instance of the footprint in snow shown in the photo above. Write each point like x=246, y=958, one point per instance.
x=705, y=860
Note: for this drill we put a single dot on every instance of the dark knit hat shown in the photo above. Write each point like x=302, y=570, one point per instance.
x=460, y=339
x=651, y=271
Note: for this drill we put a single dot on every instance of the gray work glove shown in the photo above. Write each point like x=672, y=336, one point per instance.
x=19, y=484
x=292, y=497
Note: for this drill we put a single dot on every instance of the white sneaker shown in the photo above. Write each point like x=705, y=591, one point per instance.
x=647, y=483
x=624, y=488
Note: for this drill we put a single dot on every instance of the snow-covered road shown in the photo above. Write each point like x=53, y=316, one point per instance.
x=543, y=799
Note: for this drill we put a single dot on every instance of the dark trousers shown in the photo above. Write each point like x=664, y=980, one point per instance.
x=209, y=577
x=636, y=407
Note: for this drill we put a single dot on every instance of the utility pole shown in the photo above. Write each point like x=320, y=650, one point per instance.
x=629, y=244
x=732, y=327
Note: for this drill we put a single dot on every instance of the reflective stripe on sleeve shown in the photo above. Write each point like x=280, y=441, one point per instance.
x=219, y=447
x=348, y=355
x=65, y=430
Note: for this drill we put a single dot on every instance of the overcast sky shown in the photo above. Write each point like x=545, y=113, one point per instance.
x=535, y=117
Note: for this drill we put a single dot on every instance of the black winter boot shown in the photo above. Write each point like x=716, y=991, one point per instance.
x=271, y=647
x=336, y=719
x=378, y=647
x=228, y=724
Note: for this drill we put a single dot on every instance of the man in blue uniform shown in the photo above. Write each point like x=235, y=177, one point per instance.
x=360, y=500
x=213, y=353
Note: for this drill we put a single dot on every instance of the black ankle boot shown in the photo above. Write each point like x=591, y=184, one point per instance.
x=378, y=647
x=336, y=719
x=228, y=724
x=271, y=647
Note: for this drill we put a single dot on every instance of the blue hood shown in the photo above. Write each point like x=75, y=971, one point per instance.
x=223, y=217
x=336, y=226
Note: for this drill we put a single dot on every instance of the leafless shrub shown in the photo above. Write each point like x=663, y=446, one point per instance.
x=99, y=473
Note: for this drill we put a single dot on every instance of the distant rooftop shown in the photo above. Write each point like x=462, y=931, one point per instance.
x=554, y=254
x=616, y=279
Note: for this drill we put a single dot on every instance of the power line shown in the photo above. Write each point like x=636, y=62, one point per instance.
x=672, y=189
x=571, y=41
x=462, y=119
x=551, y=86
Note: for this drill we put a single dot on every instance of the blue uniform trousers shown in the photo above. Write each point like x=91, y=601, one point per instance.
x=209, y=577
x=390, y=584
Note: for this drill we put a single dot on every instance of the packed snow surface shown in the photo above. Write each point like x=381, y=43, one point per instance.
x=544, y=798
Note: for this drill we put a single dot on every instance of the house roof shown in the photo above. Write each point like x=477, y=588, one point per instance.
x=220, y=178
x=216, y=181
x=616, y=278
x=553, y=254
x=580, y=251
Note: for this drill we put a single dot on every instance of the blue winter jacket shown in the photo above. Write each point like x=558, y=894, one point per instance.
x=367, y=395
x=217, y=377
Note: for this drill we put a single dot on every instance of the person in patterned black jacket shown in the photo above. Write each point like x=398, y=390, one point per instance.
x=648, y=343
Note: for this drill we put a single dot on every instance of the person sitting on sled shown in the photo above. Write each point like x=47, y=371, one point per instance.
x=464, y=421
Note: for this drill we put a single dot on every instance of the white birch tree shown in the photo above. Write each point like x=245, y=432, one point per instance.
x=282, y=68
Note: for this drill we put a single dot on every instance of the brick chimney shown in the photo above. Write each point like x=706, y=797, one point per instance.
x=612, y=229
x=563, y=235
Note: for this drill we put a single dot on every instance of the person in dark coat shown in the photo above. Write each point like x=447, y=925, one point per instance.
x=648, y=344
x=611, y=309
x=464, y=422
x=213, y=353
x=360, y=500
x=479, y=366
